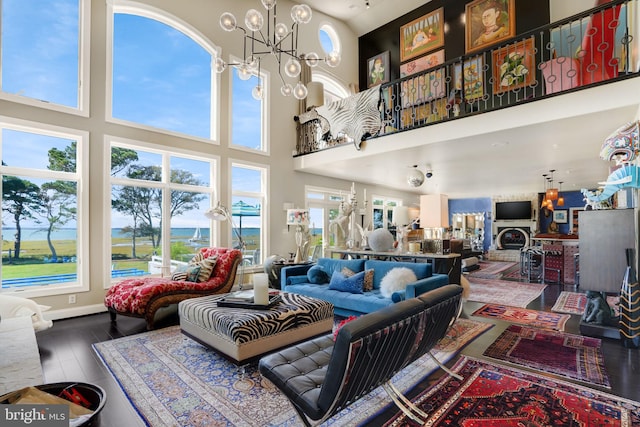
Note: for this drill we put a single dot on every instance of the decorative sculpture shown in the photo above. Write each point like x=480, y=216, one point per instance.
x=626, y=176
x=347, y=232
x=597, y=310
x=623, y=146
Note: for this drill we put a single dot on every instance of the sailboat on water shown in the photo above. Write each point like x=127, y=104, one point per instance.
x=197, y=236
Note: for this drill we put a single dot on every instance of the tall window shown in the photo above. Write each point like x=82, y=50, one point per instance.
x=323, y=208
x=43, y=207
x=154, y=194
x=44, y=52
x=249, y=194
x=161, y=73
x=248, y=122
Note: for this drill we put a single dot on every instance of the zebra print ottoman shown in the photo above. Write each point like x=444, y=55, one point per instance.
x=243, y=334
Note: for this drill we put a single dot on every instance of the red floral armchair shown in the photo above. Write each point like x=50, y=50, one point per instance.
x=143, y=296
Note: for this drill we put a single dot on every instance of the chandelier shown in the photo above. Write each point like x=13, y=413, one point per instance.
x=551, y=194
x=278, y=41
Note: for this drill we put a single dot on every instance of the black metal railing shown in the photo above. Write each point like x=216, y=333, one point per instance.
x=587, y=49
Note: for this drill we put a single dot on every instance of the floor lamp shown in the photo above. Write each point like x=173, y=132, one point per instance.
x=221, y=213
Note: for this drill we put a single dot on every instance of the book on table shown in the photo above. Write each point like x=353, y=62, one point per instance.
x=241, y=296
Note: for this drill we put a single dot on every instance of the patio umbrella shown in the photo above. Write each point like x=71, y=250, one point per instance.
x=240, y=209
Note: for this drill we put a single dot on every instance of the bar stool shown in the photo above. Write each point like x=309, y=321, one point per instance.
x=553, y=263
x=535, y=264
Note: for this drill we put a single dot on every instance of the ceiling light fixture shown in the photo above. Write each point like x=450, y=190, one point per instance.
x=560, y=201
x=551, y=193
x=367, y=3
x=415, y=177
x=278, y=41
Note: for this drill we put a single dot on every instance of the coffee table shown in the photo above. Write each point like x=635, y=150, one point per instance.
x=244, y=334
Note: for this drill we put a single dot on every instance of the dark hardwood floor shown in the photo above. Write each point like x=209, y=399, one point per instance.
x=67, y=355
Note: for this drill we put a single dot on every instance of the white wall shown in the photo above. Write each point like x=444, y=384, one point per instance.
x=560, y=9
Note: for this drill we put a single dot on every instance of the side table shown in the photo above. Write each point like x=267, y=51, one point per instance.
x=274, y=277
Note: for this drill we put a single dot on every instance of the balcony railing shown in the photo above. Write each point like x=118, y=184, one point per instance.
x=591, y=48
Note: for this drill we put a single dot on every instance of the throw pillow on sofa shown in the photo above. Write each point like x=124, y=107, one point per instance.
x=318, y=275
x=396, y=279
x=368, y=277
x=353, y=284
x=199, y=269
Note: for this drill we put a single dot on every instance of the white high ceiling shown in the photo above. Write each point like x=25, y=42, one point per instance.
x=360, y=18
x=503, y=152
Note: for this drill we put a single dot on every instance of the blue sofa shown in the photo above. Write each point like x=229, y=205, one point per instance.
x=295, y=279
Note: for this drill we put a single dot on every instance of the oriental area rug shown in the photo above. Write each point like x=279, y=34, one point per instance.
x=493, y=291
x=572, y=356
x=495, y=395
x=523, y=316
x=491, y=269
x=172, y=380
x=574, y=303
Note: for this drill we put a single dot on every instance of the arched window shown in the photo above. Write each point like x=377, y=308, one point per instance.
x=333, y=89
x=161, y=72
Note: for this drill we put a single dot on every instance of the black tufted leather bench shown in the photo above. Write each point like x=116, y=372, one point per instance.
x=321, y=377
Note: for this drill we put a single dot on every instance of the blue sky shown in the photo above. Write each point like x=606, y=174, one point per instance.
x=161, y=78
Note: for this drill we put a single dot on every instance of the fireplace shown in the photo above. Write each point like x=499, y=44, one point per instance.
x=512, y=237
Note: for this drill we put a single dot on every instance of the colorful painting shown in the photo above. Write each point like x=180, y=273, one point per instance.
x=489, y=22
x=472, y=78
x=560, y=217
x=378, y=69
x=422, y=35
x=514, y=66
x=423, y=63
x=423, y=88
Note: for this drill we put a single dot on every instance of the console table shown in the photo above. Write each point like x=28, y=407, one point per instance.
x=448, y=264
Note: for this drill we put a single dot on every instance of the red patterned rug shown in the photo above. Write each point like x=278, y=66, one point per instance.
x=523, y=316
x=494, y=395
x=492, y=291
x=568, y=355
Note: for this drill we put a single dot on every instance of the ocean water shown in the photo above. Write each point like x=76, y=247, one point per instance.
x=177, y=234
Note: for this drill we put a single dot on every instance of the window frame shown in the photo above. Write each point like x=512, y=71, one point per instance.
x=333, y=36
x=81, y=177
x=165, y=185
x=387, y=209
x=150, y=12
x=326, y=204
x=264, y=77
x=263, y=197
x=84, y=61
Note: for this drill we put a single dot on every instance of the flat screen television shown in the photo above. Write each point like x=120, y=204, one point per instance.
x=513, y=210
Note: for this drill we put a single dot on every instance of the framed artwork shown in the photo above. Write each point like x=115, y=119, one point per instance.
x=573, y=218
x=514, y=66
x=472, y=79
x=423, y=63
x=423, y=88
x=488, y=22
x=422, y=35
x=560, y=216
x=378, y=69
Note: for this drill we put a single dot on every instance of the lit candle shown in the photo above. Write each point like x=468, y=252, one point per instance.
x=261, y=289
